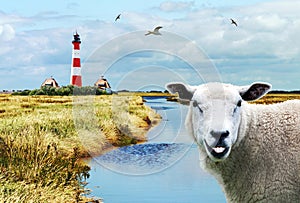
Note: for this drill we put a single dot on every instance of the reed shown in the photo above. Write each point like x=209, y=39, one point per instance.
x=41, y=143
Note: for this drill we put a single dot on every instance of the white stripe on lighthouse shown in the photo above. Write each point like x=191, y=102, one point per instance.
x=75, y=71
x=76, y=53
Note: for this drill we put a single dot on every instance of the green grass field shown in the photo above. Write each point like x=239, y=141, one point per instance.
x=41, y=143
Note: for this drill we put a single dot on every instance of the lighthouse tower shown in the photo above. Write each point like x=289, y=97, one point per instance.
x=76, y=67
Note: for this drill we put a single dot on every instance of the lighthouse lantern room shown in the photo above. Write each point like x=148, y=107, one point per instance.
x=76, y=66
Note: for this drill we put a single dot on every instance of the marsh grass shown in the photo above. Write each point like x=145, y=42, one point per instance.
x=41, y=144
x=276, y=98
x=32, y=165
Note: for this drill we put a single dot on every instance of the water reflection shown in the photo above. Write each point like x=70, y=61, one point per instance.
x=142, y=159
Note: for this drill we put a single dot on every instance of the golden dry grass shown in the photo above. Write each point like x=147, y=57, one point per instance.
x=43, y=138
x=276, y=98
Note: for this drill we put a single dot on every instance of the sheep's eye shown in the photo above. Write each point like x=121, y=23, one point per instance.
x=237, y=105
x=195, y=104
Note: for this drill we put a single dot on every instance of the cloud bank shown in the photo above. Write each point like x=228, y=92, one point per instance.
x=264, y=45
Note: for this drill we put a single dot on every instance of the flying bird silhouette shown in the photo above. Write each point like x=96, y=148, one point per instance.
x=233, y=22
x=118, y=17
x=155, y=31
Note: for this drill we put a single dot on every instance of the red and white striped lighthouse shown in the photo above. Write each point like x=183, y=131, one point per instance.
x=76, y=67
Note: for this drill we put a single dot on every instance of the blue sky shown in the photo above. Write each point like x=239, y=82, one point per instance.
x=35, y=41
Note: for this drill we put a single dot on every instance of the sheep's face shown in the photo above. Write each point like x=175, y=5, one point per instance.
x=215, y=112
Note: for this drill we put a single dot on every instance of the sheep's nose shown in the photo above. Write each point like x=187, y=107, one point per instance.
x=219, y=134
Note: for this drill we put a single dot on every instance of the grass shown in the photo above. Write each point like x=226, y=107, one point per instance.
x=276, y=98
x=43, y=138
x=269, y=98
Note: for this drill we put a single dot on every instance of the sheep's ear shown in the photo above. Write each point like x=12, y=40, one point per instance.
x=254, y=91
x=185, y=92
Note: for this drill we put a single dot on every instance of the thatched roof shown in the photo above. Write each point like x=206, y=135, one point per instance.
x=102, y=83
x=50, y=82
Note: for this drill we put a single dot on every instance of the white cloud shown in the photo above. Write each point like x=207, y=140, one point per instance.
x=7, y=32
x=73, y=6
x=259, y=34
x=270, y=22
x=267, y=35
x=34, y=71
x=10, y=18
x=288, y=8
x=172, y=6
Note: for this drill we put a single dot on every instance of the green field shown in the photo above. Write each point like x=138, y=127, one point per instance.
x=42, y=144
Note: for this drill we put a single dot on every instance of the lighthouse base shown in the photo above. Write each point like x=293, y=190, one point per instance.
x=76, y=80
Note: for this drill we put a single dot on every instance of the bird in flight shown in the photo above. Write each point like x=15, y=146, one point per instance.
x=233, y=22
x=118, y=17
x=155, y=31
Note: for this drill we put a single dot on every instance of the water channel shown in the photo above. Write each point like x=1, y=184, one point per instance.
x=164, y=169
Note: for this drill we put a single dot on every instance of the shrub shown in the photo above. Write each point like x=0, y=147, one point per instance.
x=63, y=91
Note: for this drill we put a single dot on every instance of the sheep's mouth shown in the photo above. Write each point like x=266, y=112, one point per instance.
x=219, y=151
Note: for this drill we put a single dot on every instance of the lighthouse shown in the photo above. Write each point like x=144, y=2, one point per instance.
x=76, y=67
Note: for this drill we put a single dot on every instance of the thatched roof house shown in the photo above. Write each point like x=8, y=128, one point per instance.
x=50, y=82
x=102, y=83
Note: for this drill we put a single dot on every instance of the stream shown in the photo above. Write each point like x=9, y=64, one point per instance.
x=164, y=169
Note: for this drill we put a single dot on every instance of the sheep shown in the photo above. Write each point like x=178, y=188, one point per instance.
x=252, y=150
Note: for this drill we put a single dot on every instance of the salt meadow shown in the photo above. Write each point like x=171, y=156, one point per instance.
x=41, y=152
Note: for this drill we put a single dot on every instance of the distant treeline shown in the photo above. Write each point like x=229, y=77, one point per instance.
x=284, y=92
x=70, y=90
x=63, y=91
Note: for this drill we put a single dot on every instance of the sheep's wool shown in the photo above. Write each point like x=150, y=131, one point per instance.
x=262, y=142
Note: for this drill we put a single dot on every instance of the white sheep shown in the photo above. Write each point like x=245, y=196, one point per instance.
x=252, y=150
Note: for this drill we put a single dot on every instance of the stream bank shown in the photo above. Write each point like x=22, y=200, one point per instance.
x=163, y=169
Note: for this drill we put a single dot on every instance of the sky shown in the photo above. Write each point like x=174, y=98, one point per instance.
x=198, y=42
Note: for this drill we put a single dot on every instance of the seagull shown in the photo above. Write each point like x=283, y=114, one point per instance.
x=155, y=31
x=118, y=17
x=233, y=22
